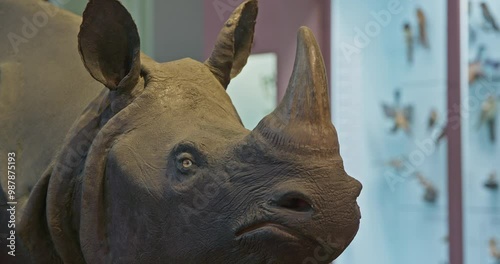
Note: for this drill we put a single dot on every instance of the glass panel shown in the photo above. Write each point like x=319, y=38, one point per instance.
x=254, y=90
x=389, y=82
x=481, y=34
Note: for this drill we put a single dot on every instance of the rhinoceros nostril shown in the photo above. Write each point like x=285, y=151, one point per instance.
x=293, y=201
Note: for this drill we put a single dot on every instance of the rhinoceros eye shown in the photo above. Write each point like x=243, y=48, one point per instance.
x=187, y=159
x=186, y=163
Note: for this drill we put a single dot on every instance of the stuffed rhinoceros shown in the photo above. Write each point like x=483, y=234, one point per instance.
x=157, y=167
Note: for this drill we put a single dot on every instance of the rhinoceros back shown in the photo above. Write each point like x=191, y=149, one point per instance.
x=43, y=86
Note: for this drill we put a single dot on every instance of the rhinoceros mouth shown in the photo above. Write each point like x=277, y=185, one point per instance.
x=273, y=229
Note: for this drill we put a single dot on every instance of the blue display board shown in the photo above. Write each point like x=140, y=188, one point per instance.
x=481, y=37
x=381, y=58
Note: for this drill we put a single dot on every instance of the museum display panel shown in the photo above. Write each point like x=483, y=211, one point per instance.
x=481, y=149
x=381, y=63
x=389, y=102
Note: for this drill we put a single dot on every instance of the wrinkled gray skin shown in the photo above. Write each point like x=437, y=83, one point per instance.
x=158, y=168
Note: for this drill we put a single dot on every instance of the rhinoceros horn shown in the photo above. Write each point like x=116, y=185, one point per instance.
x=234, y=43
x=302, y=120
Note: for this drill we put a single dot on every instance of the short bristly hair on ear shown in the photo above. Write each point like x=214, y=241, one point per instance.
x=109, y=44
x=234, y=43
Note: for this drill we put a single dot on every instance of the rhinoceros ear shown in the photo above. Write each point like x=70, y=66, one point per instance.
x=234, y=43
x=109, y=44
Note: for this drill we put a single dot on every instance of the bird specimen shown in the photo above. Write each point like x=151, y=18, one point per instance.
x=494, y=64
x=431, y=192
x=488, y=116
x=492, y=182
x=402, y=116
x=495, y=253
x=476, y=71
x=398, y=164
x=409, y=42
x=442, y=135
x=422, y=28
x=433, y=118
x=489, y=20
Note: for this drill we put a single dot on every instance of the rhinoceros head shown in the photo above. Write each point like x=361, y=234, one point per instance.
x=159, y=168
